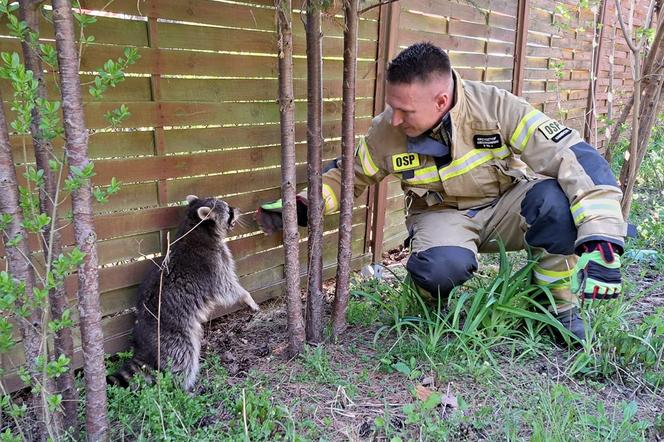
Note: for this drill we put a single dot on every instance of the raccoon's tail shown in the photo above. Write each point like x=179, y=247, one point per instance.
x=124, y=374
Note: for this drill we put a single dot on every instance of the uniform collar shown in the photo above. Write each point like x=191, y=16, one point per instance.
x=459, y=100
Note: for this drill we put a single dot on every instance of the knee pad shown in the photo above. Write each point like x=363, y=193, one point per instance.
x=439, y=269
x=551, y=226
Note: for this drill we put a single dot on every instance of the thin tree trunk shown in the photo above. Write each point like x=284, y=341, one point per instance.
x=347, y=168
x=314, y=322
x=64, y=344
x=296, y=333
x=92, y=338
x=648, y=87
x=20, y=268
x=615, y=133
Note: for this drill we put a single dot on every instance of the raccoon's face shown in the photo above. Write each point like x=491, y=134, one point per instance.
x=213, y=209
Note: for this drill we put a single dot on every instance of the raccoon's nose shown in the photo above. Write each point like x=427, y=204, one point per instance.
x=232, y=216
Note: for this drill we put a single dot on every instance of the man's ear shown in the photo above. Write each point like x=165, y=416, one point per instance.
x=442, y=101
x=203, y=212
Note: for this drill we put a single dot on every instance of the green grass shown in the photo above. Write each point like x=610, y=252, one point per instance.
x=217, y=411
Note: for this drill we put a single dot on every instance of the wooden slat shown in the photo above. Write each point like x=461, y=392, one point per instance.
x=150, y=114
x=185, y=89
x=175, y=62
x=177, y=166
x=175, y=35
x=122, y=32
x=244, y=16
x=188, y=140
x=447, y=42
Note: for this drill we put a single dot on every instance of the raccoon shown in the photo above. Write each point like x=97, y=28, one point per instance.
x=198, y=276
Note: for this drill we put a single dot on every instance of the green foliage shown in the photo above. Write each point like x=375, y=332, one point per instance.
x=361, y=313
x=15, y=300
x=620, y=343
x=113, y=72
x=218, y=411
x=316, y=362
x=562, y=415
x=503, y=310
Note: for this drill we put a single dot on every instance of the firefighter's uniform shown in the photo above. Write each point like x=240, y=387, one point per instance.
x=466, y=186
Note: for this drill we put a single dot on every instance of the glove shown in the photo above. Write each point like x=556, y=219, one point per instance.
x=268, y=215
x=597, y=273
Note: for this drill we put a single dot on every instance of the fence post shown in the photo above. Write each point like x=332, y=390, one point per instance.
x=388, y=32
x=158, y=133
x=518, y=74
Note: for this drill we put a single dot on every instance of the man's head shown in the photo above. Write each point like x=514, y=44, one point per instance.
x=419, y=89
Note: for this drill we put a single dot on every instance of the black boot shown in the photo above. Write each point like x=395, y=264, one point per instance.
x=571, y=320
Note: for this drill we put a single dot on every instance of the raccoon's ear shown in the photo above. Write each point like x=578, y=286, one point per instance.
x=191, y=198
x=204, y=212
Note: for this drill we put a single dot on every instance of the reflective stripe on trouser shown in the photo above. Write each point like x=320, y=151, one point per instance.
x=434, y=230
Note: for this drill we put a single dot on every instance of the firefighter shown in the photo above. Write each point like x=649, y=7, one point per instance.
x=479, y=165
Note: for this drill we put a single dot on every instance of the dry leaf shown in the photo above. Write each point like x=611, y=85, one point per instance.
x=422, y=392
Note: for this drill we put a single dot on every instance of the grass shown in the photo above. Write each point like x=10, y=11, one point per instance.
x=485, y=356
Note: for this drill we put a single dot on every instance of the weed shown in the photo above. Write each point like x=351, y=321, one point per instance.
x=217, y=411
x=361, y=313
x=317, y=366
x=563, y=415
x=506, y=309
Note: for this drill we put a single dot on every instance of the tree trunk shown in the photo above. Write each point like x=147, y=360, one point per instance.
x=347, y=168
x=615, y=133
x=314, y=323
x=92, y=338
x=64, y=344
x=296, y=333
x=20, y=267
x=649, y=88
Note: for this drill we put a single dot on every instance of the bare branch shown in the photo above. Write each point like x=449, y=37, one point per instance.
x=628, y=38
x=377, y=5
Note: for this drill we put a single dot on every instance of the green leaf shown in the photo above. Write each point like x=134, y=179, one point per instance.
x=434, y=399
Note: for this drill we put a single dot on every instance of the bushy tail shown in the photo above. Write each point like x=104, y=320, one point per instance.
x=124, y=374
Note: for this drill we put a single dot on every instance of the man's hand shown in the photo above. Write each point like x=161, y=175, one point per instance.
x=268, y=215
x=597, y=273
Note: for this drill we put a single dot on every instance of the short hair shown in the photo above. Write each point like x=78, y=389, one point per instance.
x=418, y=62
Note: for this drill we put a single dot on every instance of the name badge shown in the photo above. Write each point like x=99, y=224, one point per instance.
x=405, y=161
x=491, y=141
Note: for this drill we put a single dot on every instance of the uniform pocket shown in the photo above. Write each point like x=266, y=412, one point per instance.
x=481, y=181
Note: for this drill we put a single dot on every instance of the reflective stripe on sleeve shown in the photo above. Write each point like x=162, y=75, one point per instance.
x=592, y=208
x=424, y=176
x=548, y=277
x=526, y=127
x=330, y=199
x=368, y=165
x=471, y=160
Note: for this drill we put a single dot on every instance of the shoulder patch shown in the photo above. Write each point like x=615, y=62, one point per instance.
x=554, y=131
x=405, y=161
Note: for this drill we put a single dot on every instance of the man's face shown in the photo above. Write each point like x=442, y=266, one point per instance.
x=418, y=106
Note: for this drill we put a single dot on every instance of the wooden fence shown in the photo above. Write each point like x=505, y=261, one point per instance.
x=205, y=119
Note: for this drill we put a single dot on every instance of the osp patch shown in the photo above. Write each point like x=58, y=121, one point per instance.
x=554, y=131
x=405, y=161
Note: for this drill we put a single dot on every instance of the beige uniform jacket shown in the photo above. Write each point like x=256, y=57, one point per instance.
x=491, y=130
